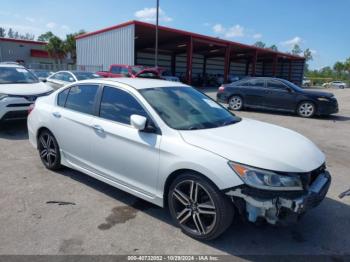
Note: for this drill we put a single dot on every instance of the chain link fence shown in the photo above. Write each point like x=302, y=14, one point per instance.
x=65, y=67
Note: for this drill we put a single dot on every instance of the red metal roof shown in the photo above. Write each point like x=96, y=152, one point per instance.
x=194, y=35
x=22, y=41
x=39, y=53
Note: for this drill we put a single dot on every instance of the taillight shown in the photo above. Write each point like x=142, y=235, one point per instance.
x=30, y=108
x=221, y=89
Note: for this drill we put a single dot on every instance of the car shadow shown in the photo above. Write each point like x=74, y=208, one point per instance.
x=14, y=130
x=322, y=231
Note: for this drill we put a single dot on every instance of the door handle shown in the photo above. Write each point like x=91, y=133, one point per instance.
x=98, y=128
x=56, y=114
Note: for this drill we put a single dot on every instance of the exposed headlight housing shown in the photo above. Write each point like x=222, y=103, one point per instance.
x=323, y=99
x=264, y=179
x=2, y=96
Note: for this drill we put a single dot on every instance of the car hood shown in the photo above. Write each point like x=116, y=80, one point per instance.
x=24, y=89
x=318, y=93
x=259, y=144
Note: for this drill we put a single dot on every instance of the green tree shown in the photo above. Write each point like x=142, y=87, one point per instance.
x=338, y=68
x=2, y=32
x=10, y=33
x=347, y=65
x=296, y=50
x=273, y=47
x=55, y=48
x=260, y=44
x=46, y=36
x=70, y=45
x=308, y=54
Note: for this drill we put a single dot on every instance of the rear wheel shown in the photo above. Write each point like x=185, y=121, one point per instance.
x=306, y=109
x=235, y=103
x=49, y=151
x=198, y=207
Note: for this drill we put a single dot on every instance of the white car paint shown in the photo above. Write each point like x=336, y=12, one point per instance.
x=140, y=163
x=19, y=94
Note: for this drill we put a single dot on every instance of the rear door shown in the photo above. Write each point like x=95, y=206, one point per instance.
x=253, y=91
x=72, y=121
x=280, y=96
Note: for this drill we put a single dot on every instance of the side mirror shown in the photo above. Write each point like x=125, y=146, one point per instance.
x=71, y=79
x=138, y=122
x=42, y=79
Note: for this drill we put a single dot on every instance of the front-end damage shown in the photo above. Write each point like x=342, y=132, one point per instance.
x=279, y=207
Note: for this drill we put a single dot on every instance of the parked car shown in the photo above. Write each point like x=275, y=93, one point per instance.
x=276, y=94
x=166, y=75
x=41, y=74
x=19, y=88
x=129, y=71
x=170, y=144
x=62, y=78
x=306, y=82
x=335, y=84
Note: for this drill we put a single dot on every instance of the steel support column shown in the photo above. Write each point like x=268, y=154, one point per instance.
x=274, y=66
x=227, y=63
x=189, y=61
x=255, y=59
x=290, y=70
x=173, y=64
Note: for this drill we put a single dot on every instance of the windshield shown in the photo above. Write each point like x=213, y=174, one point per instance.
x=85, y=75
x=16, y=75
x=137, y=69
x=294, y=86
x=42, y=73
x=184, y=108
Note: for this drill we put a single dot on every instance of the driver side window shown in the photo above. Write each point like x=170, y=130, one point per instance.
x=276, y=85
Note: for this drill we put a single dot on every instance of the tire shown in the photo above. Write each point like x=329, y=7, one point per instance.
x=49, y=151
x=203, y=214
x=306, y=109
x=235, y=103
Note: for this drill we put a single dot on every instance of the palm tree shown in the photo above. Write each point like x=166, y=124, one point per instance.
x=70, y=45
x=55, y=48
x=339, y=68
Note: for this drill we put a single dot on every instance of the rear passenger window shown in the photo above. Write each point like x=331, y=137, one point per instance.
x=257, y=83
x=62, y=97
x=81, y=98
x=115, y=70
x=118, y=105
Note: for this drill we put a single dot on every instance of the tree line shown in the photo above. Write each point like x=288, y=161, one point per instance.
x=61, y=48
x=11, y=33
x=339, y=71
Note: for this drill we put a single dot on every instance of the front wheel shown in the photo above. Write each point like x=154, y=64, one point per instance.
x=49, y=150
x=198, y=207
x=306, y=109
x=235, y=103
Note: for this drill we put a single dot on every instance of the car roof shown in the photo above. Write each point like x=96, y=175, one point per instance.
x=137, y=83
x=11, y=65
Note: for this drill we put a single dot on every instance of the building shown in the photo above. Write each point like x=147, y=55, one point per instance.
x=186, y=54
x=30, y=53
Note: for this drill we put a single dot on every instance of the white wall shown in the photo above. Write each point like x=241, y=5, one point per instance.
x=111, y=47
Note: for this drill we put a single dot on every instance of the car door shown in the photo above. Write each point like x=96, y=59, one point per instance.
x=72, y=119
x=253, y=91
x=279, y=96
x=53, y=80
x=121, y=153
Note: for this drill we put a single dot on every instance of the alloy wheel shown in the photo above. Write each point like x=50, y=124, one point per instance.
x=195, y=209
x=47, y=149
x=306, y=109
x=235, y=103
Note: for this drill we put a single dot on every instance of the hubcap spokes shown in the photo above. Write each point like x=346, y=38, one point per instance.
x=47, y=149
x=235, y=103
x=195, y=210
x=306, y=109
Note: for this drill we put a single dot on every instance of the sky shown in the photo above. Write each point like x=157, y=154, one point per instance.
x=321, y=25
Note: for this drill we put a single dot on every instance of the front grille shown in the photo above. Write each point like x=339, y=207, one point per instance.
x=31, y=98
x=13, y=115
x=19, y=105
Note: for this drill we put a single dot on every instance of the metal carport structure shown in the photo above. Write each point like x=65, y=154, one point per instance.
x=187, y=53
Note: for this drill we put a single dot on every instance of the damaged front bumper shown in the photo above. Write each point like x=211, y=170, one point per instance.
x=279, y=207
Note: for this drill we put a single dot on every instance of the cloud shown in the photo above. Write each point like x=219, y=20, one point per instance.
x=149, y=15
x=257, y=36
x=291, y=42
x=51, y=25
x=230, y=32
x=65, y=28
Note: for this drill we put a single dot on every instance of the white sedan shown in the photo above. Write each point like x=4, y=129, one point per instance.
x=335, y=84
x=62, y=78
x=169, y=144
x=19, y=88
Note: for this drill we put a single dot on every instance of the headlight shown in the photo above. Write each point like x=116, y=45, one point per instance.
x=323, y=99
x=264, y=179
x=2, y=96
